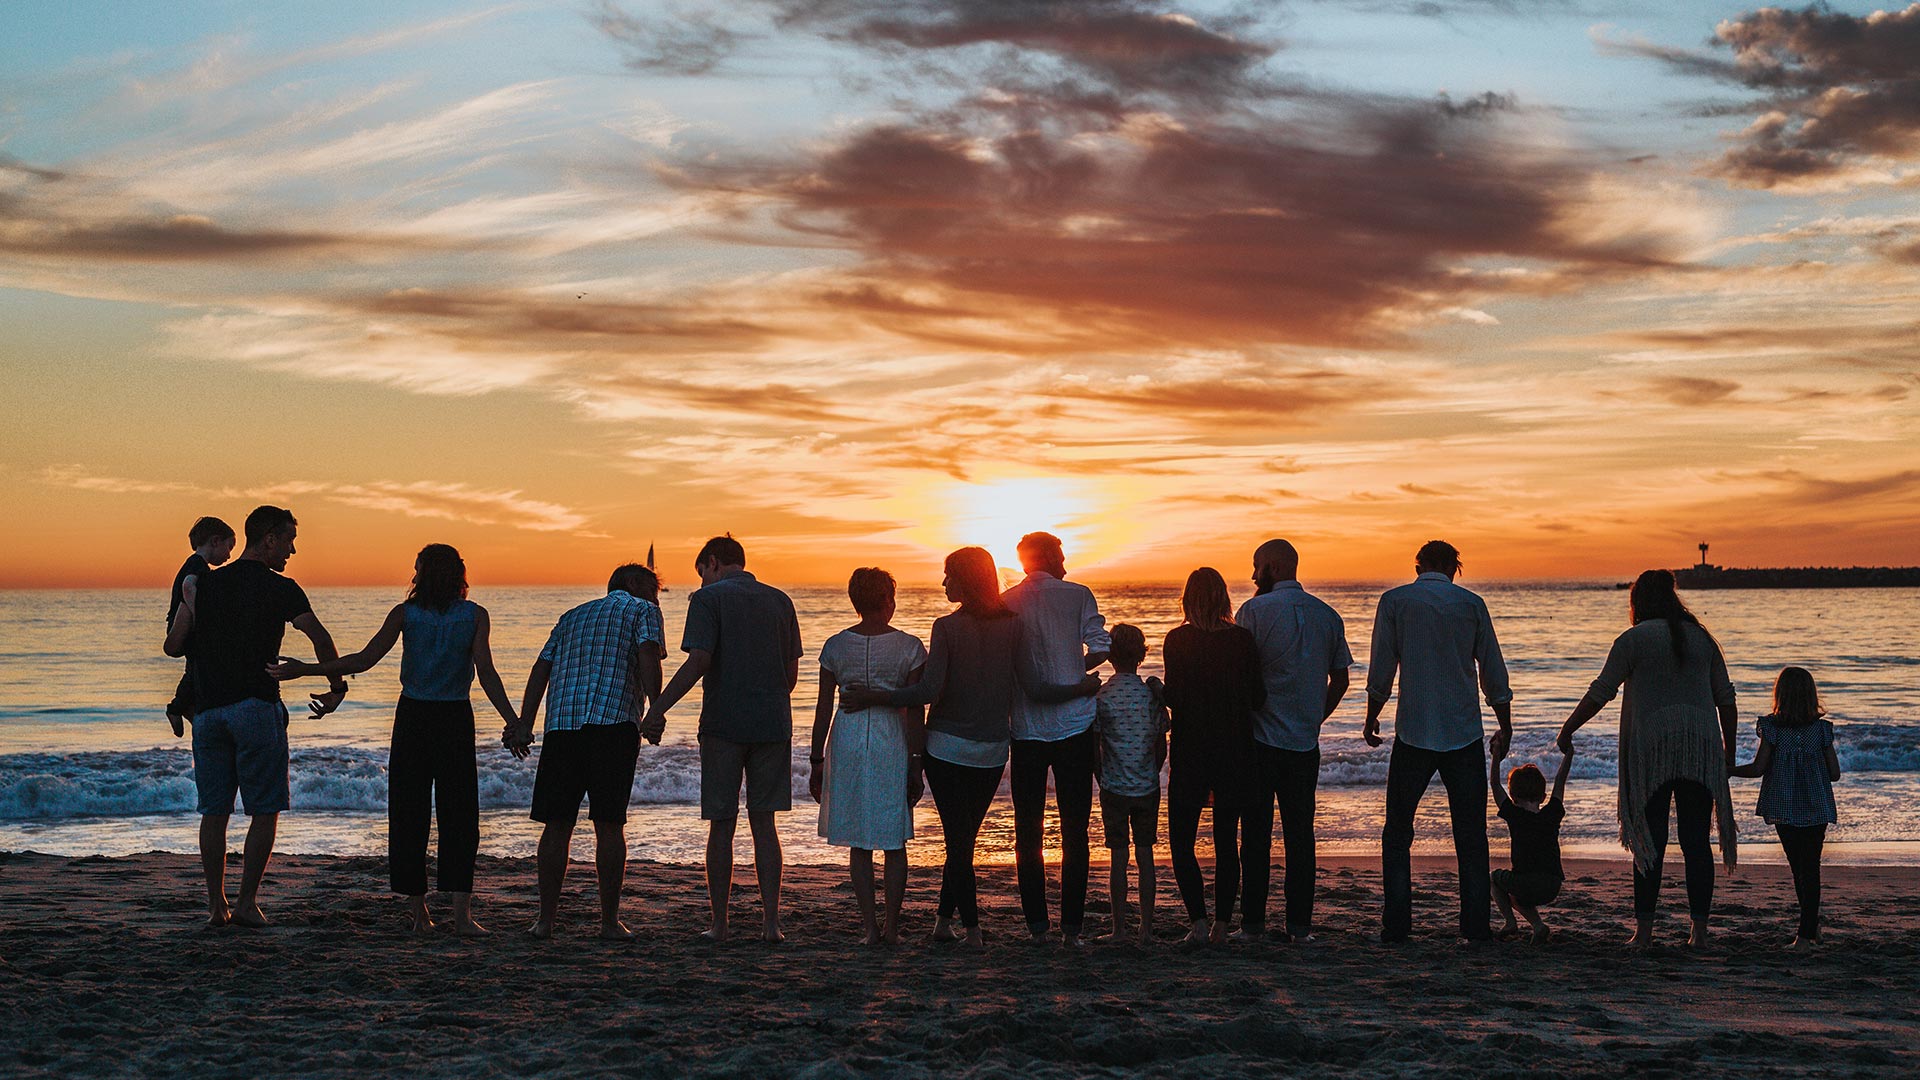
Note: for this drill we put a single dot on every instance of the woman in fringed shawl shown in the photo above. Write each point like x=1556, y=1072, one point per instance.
x=1677, y=724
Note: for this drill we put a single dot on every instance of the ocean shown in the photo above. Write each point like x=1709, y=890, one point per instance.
x=88, y=765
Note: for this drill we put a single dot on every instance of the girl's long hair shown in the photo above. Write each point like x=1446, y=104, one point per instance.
x=1205, y=602
x=1655, y=596
x=439, y=578
x=1796, y=700
x=976, y=578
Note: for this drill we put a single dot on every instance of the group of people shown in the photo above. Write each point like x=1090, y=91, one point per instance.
x=1005, y=683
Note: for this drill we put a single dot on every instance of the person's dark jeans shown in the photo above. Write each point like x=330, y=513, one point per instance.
x=1464, y=772
x=1694, y=805
x=1183, y=828
x=1802, y=845
x=1289, y=778
x=431, y=765
x=962, y=794
x=1071, y=761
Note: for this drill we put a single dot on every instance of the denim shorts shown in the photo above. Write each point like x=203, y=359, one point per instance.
x=241, y=748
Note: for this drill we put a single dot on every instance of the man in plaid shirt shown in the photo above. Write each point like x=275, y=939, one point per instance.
x=600, y=667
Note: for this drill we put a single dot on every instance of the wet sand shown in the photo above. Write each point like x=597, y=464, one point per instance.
x=107, y=972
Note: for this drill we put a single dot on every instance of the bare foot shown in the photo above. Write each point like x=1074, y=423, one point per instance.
x=541, y=930
x=1069, y=941
x=179, y=723
x=772, y=935
x=891, y=939
x=470, y=929
x=423, y=924
x=248, y=914
x=1219, y=933
x=1146, y=937
x=943, y=931
x=1036, y=935
x=873, y=937
x=615, y=931
x=1804, y=942
x=1541, y=934
x=975, y=939
x=1247, y=933
x=1641, y=939
x=1196, y=936
x=715, y=936
x=1697, y=938
x=219, y=917
x=1508, y=930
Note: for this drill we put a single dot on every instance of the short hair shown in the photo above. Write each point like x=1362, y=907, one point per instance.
x=1205, y=602
x=267, y=520
x=722, y=551
x=635, y=579
x=1277, y=552
x=871, y=590
x=1045, y=549
x=439, y=578
x=208, y=529
x=1527, y=783
x=1129, y=645
x=1438, y=555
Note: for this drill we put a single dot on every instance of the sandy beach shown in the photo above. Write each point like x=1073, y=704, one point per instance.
x=107, y=972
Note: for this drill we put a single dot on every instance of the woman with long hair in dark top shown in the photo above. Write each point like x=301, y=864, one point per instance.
x=970, y=680
x=432, y=760
x=1214, y=685
x=1677, y=725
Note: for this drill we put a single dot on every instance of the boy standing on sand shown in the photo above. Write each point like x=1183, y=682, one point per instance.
x=1130, y=719
x=742, y=639
x=230, y=624
x=212, y=541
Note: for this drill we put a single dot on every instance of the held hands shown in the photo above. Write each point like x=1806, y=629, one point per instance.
x=289, y=668
x=1500, y=742
x=517, y=737
x=654, y=726
x=1565, y=742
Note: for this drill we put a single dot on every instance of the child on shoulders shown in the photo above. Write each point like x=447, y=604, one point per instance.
x=1130, y=720
x=212, y=541
x=1533, y=823
x=1797, y=766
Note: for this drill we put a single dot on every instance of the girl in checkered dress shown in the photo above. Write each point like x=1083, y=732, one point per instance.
x=1797, y=766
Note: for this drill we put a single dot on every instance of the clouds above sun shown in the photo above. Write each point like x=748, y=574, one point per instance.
x=829, y=273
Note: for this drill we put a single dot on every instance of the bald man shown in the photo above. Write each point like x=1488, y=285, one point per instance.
x=1304, y=660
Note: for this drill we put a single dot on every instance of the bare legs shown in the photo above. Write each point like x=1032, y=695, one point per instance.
x=1507, y=906
x=767, y=864
x=610, y=866
x=245, y=910
x=1117, y=893
x=860, y=866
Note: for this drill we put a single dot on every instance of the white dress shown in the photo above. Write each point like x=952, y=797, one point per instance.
x=863, y=800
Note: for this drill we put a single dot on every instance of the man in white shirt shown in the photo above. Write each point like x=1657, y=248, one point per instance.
x=1439, y=638
x=1063, y=636
x=1304, y=660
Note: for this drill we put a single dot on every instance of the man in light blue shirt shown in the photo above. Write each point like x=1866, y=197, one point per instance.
x=1062, y=637
x=1439, y=638
x=1304, y=660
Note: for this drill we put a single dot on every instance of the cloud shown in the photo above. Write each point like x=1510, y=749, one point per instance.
x=1841, y=93
x=1689, y=390
x=1804, y=489
x=180, y=237
x=418, y=498
x=677, y=42
x=1254, y=395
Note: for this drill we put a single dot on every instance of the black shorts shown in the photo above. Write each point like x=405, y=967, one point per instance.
x=1130, y=820
x=1528, y=890
x=595, y=761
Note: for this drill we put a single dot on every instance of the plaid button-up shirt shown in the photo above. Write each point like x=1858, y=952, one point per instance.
x=593, y=650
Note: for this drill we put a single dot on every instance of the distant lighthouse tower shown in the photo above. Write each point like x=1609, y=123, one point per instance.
x=1703, y=557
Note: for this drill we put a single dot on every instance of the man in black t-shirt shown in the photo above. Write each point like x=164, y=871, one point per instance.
x=229, y=625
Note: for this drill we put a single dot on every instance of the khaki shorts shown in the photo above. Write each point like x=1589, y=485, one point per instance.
x=1135, y=814
x=766, y=767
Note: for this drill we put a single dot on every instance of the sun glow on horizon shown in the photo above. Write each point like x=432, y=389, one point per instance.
x=995, y=513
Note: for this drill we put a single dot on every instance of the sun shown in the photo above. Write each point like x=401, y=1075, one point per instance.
x=994, y=512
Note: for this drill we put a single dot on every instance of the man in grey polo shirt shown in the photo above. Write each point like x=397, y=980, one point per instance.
x=743, y=639
x=1304, y=660
x=1439, y=638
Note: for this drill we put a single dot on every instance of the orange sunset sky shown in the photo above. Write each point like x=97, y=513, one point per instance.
x=1574, y=285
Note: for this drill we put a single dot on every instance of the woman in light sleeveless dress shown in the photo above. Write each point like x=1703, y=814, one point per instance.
x=866, y=762
x=431, y=765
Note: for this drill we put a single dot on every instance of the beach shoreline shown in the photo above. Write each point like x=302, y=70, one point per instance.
x=108, y=972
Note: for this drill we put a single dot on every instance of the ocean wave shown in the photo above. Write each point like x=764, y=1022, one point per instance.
x=132, y=783
x=345, y=778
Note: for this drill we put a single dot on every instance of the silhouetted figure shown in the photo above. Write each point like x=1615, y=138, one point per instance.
x=1534, y=875
x=1672, y=752
x=1063, y=636
x=743, y=639
x=1130, y=718
x=431, y=763
x=1797, y=766
x=212, y=541
x=229, y=626
x=1304, y=660
x=597, y=671
x=866, y=759
x=1438, y=638
x=1214, y=688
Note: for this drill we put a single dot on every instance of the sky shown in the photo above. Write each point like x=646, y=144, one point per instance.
x=1573, y=285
